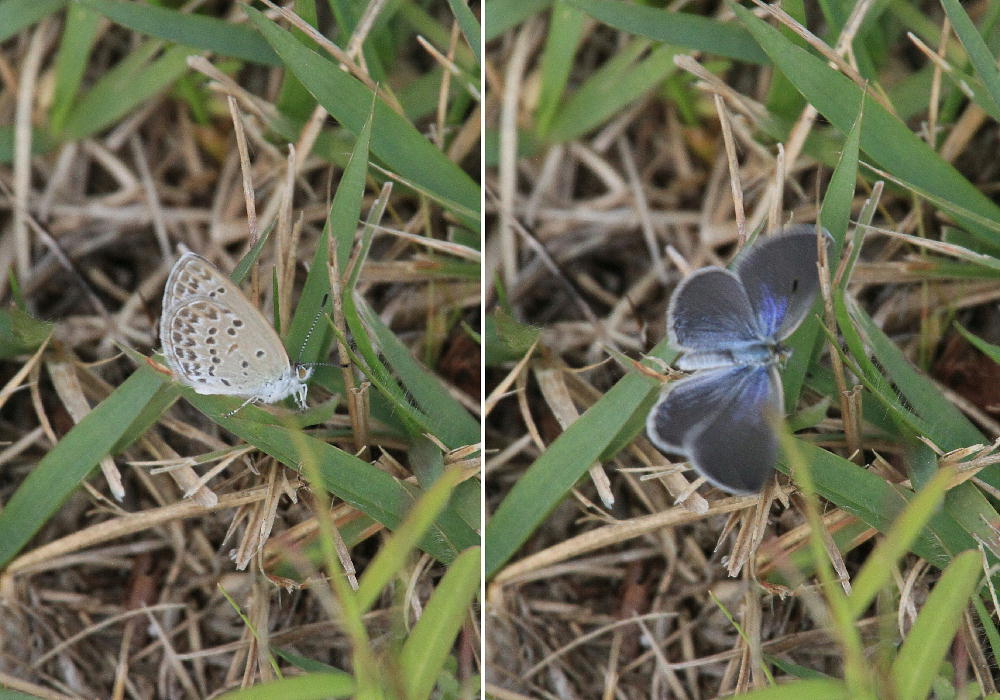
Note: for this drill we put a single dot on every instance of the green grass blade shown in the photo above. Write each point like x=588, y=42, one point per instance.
x=931, y=416
x=987, y=625
x=947, y=427
x=304, y=663
x=979, y=54
x=393, y=554
x=341, y=224
x=469, y=26
x=250, y=258
x=128, y=85
x=879, y=567
x=878, y=503
x=408, y=417
x=920, y=657
x=553, y=474
x=198, y=31
x=504, y=14
x=15, y=15
x=433, y=637
x=677, y=28
x=60, y=471
x=397, y=142
x=78, y=38
x=814, y=689
x=20, y=333
x=835, y=212
x=906, y=423
x=607, y=91
x=447, y=418
x=557, y=61
x=989, y=349
x=312, y=686
x=357, y=482
x=885, y=139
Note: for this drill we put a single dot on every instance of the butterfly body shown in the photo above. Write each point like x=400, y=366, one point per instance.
x=757, y=354
x=730, y=326
x=217, y=342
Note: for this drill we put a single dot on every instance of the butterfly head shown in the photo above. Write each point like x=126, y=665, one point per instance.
x=782, y=354
x=292, y=382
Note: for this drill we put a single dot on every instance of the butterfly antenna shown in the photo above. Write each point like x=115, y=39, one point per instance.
x=312, y=328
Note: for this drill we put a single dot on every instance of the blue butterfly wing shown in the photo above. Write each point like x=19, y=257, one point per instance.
x=720, y=420
x=781, y=280
x=710, y=311
x=736, y=449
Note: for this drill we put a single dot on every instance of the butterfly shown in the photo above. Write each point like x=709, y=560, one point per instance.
x=217, y=342
x=729, y=326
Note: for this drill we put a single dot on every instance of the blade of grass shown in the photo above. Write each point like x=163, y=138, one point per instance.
x=197, y=31
x=251, y=257
x=447, y=418
x=979, y=54
x=133, y=82
x=504, y=14
x=919, y=659
x=884, y=138
x=394, y=139
x=305, y=663
x=312, y=686
x=60, y=472
x=357, y=482
x=856, y=671
x=20, y=333
x=341, y=224
x=15, y=15
x=553, y=474
x=965, y=505
x=949, y=428
x=393, y=554
x=878, y=503
x=79, y=34
x=989, y=349
x=680, y=29
x=469, y=26
x=557, y=61
x=879, y=567
x=835, y=212
x=433, y=637
x=621, y=81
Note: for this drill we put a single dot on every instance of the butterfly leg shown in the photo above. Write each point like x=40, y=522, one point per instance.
x=228, y=414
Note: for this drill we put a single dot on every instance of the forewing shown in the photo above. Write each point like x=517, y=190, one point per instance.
x=736, y=448
x=218, y=349
x=781, y=279
x=688, y=404
x=194, y=276
x=710, y=311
